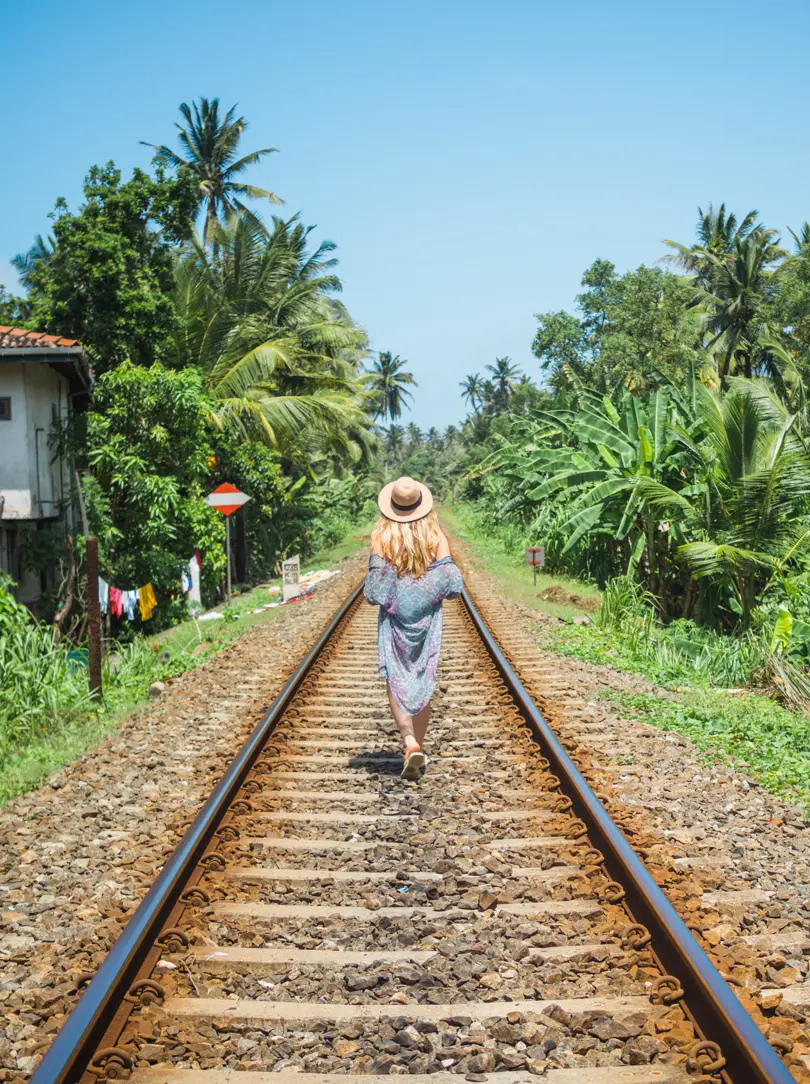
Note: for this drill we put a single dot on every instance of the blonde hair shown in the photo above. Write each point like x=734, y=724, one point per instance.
x=410, y=547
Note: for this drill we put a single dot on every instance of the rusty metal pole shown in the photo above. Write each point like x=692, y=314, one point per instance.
x=93, y=619
x=228, y=554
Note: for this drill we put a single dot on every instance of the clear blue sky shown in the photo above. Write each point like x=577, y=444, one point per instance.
x=470, y=160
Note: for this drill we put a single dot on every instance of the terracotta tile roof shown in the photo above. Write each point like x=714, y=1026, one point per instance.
x=11, y=337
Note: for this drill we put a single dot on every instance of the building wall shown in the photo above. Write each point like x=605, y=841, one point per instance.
x=32, y=481
x=32, y=490
x=14, y=469
x=45, y=397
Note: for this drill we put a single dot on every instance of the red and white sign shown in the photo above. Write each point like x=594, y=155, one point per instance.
x=535, y=555
x=227, y=499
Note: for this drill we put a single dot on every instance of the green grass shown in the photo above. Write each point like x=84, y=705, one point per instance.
x=146, y=660
x=508, y=565
x=740, y=727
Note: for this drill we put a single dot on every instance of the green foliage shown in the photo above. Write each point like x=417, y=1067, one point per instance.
x=148, y=444
x=279, y=355
x=108, y=280
x=624, y=601
x=703, y=495
x=14, y=311
x=41, y=689
x=630, y=328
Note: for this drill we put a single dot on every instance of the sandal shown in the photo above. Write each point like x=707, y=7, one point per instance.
x=414, y=762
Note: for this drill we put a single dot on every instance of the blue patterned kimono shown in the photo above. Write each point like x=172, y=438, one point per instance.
x=410, y=625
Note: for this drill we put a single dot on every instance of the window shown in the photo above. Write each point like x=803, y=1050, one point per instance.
x=5, y=408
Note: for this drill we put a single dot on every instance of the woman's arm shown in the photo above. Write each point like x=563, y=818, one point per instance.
x=442, y=547
x=453, y=583
x=379, y=581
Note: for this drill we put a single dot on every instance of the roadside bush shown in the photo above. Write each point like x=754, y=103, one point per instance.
x=41, y=689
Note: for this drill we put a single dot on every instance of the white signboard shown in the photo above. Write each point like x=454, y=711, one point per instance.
x=291, y=577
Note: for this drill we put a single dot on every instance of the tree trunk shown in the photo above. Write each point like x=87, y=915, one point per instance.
x=67, y=602
x=688, y=596
x=747, y=592
x=652, y=558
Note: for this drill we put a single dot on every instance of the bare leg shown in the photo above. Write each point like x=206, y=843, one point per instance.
x=412, y=728
x=420, y=724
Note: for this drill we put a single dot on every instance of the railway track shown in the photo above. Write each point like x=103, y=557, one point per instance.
x=322, y=917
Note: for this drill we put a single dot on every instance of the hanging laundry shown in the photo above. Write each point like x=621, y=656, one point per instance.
x=129, y=599
x=194, y=595
x=116, y=609
x=185, y=580
x=199, y=559
x=147, y=600
x=103, y=595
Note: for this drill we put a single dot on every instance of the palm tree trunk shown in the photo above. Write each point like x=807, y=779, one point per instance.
x=651, y=557
x=688, y=597
x=747, y=592
x=210, y=222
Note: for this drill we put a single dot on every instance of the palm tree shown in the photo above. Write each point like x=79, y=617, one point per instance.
x=504, y=375
x=802, y=238
x=414, y=436
x=734, y=307
x=27, y=262
x=279, y=354
x=388, y=381
x=488, y=396
x=472, y=389
x=394, y=441
x=433, y=437
x=718, y=233
x=750, y=475
x=209, y=149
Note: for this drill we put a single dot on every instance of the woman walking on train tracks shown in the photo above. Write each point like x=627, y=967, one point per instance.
x=410, y=573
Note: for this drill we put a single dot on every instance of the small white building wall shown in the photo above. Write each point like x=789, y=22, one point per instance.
x=32, y=481
x=14, y=472
x=45, y=394
x=32, y=491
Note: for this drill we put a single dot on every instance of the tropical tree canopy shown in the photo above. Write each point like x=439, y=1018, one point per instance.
x=108, y=278
x=279, y=353
x=388, y=382
x=210, y=152
x=472, y=390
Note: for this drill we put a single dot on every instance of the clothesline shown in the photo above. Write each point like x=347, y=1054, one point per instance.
x=120, y=602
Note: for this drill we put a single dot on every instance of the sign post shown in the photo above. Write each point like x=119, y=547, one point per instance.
x=291, y=577
x=536, y=557
x=227, y=499
x=93, y=619
x=93, y=608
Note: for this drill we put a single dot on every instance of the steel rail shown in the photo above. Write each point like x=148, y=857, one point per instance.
x=80, y=1036
x=708, y=998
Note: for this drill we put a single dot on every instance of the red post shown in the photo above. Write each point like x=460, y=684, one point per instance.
x=93, y=619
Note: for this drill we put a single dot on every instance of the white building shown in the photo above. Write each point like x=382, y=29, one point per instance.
x=43, y=378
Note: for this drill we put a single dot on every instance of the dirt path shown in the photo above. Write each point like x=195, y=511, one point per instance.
x=79, y=853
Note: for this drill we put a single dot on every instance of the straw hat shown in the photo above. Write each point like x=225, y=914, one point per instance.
x=405, y=500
